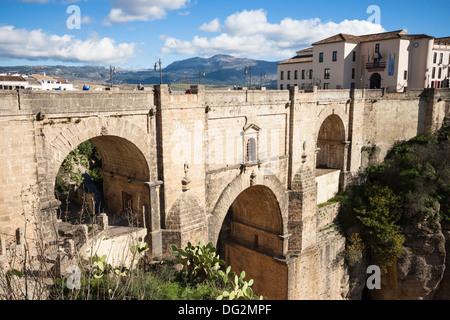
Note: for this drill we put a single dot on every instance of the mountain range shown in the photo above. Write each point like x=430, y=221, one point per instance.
x=216, y=70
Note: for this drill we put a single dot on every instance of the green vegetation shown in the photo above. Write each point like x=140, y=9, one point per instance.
x=409, y=188
x=198, y=278
x=85, y=156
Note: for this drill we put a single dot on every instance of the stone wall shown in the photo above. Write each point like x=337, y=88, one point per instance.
x=184, y=157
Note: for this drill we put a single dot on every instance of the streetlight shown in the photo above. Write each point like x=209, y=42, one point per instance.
x=160, y=70
x=249, y=70
x=200, y=75
x=112, y=70
x=263, y=75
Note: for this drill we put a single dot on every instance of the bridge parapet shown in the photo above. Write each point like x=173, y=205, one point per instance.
x=220, y=97
x=66, y=102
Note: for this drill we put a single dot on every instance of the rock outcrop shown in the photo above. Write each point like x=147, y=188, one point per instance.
x=419, y=272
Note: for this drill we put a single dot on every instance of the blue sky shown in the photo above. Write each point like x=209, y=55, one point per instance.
x=136, y=33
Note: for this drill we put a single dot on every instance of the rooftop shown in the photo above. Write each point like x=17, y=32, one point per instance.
x=41, y=77
x=12, y=79
x=343, y=37
x=302, y=56
x=443, y=41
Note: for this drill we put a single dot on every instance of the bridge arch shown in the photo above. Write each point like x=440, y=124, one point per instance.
x=126, y=169
x=253, y=225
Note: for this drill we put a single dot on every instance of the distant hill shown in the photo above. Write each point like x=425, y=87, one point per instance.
x=219, y=70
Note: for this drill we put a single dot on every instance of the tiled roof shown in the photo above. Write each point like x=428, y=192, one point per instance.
x=305, y=51
x=12, y=79
x=382, y=36
x=444, y=41
x=32, y=81
x=341, y=37
x=302, y=56
x=41, y=77
x=297, y=60
x=60, y=80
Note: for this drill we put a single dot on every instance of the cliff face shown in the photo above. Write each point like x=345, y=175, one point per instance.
x=443, y=292
x=419, y=272
x=422, y=273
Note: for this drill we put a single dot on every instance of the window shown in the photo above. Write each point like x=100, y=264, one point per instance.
x=353, y=73
x=433, y=73
x=439, y=73
x=441, y=58
x=282, y=75
x=296, y=75
x=310, y=73
x=289, y=75
x=327, y=74
x=405, y=75
x=321, y=57
x=352, y=85
x=435, y=57
x=334, y=55
x=303, y=74
x=251, y=150
x=377, y=48
x=354, y=55
x=326, y=86
x=281, y=87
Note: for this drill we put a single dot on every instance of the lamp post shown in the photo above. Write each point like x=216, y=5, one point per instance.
x=112, y=71
x=247, y=71
x=263, y=75
x=200, y=75
x=160, y=70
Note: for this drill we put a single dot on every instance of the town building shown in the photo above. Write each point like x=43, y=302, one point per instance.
x=391, y=60
x=440, y=70
x=33, y=82
x=52, y=83
x=12, y=82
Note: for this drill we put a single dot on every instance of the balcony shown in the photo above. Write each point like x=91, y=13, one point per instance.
x=378, y=65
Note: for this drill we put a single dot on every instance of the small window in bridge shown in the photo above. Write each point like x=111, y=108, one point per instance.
x=251, y=150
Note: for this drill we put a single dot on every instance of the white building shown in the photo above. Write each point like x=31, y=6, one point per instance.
x=12, y=82
x=440, y=69
x=52, y=83
x=393, y=60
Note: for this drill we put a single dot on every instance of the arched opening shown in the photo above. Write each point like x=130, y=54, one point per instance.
x=375, y=81
x=330, y=143
x=250, y=240
x=106, y=174
x=330, y=161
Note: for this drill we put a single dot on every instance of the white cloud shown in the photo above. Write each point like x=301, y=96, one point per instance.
x=125, y=11
x=212, y=26
x=87, y=20
x=250, y=34
x=38, y=45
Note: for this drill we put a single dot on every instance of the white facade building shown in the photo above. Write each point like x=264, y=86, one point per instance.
x=440, y=65
x=392, y=60
x=52, y=83
x=12, y=82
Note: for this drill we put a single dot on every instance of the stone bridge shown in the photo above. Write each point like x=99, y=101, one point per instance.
x=244, y=169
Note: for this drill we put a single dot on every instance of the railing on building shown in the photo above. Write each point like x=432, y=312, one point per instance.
x=376, y=65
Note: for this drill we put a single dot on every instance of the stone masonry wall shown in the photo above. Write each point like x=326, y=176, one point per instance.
x=198, y=140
